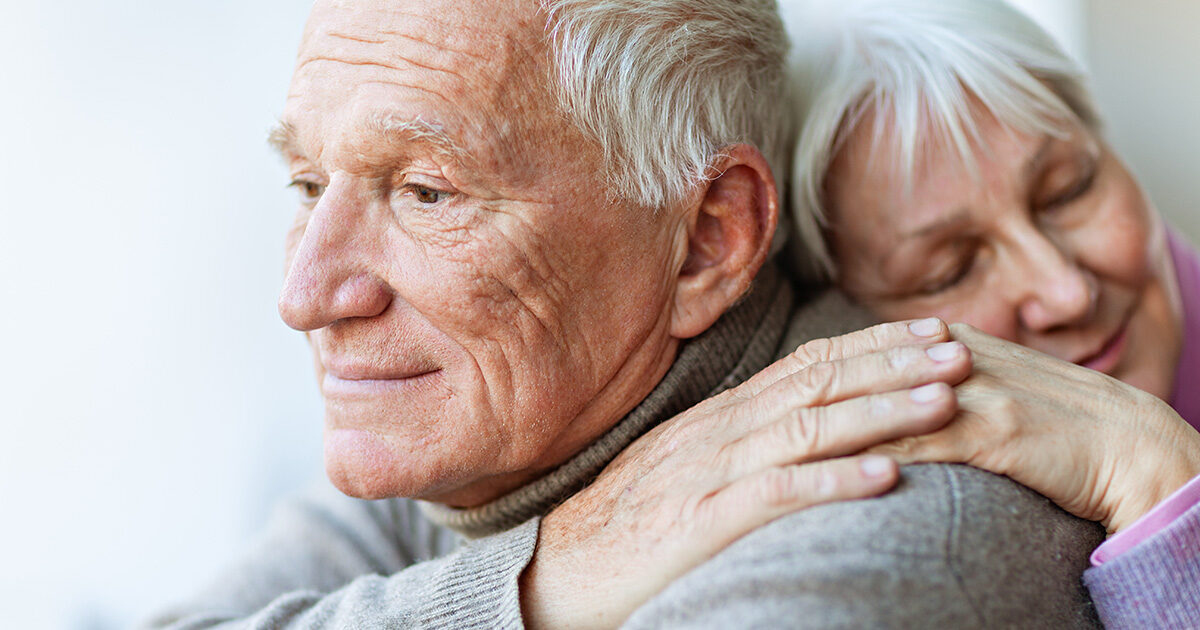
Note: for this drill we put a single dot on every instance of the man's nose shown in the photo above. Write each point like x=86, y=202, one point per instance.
x=330, y=277
x=1056, y=291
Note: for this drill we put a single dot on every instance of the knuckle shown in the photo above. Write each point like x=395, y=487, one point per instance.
x=898, y=359
x=884, y=334
x=815, y=382
x=782, y=486
x=880, y=407
x=815, y=351
x=803, y=430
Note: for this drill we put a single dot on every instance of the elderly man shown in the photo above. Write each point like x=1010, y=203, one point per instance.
x=530, y=233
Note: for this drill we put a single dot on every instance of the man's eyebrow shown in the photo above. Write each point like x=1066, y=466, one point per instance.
x=403, y=131
x=282, y=138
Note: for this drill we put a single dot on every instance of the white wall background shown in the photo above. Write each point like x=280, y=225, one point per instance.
x=152, y=406
x=1145, y=60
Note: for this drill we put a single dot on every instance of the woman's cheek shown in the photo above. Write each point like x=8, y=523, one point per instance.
x=1115, y=243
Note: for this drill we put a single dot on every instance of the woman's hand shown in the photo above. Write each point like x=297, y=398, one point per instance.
x=1099, y=448
x=696, y=483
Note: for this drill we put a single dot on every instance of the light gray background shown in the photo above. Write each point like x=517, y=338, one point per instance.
x=152, y=405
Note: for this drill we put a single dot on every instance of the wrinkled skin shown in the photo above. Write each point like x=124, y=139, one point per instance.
x=1099, y=448
x=1053, y=246
x=481, y=307
x=1056, y=260
x=477, y=306
x=780, y=442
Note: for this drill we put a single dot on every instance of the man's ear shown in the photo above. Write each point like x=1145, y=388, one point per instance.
x=729, y=237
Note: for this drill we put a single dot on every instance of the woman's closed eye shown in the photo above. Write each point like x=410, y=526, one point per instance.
x=1073, y=189
x=951, y=274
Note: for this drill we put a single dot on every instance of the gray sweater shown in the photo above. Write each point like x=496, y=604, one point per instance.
x=951, y=547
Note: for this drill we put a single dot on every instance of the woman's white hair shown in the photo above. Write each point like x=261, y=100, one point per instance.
x=664, y=85
x=918, y=67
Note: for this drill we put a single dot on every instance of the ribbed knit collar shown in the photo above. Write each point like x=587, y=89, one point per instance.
x=741, y=343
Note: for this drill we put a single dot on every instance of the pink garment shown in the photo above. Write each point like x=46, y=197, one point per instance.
x=1185, y=399
x=1151, y=523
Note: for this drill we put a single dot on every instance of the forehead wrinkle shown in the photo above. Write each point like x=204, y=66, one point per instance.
x=499, y=63
x=412, y=38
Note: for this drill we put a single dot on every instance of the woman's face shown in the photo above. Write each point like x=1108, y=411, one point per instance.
x=1052, y=246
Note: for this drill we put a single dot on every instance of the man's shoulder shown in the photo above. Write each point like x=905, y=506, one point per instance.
x=952, y=546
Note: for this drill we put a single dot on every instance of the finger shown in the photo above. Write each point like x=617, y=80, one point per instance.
x=828, y=382
x=753, y=501
x=844, y=428
x=873, y=339
x=947, y=446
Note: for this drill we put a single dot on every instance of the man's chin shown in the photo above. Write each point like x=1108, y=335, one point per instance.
x=363, y=465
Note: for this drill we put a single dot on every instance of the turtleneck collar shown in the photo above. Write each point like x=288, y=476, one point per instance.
x=740, y=344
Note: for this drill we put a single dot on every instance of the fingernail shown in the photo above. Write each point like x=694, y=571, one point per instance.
x=876, y=466
x=943, y=352
x=926, y=393
x=926, y=327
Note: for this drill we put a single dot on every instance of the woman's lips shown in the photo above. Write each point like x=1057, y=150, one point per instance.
x=1109, y=355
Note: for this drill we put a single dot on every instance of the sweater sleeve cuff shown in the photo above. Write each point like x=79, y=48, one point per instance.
x=481, y=589
x=1154, y=521
x=1154, y=584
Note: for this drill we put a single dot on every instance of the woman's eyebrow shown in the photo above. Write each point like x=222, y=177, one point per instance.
x=1038, y=159
x=959, y=216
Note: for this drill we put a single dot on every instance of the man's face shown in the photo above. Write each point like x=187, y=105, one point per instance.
x=477, y=307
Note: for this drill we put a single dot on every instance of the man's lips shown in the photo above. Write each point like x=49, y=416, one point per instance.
x=370, y=383
x=348, y=367
x=346, y=375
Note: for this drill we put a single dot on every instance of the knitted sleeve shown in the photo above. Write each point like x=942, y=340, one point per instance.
x=335, y=562
x=1156, y=584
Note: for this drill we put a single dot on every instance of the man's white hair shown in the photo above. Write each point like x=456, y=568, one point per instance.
x=919, y=67
x=664, y=85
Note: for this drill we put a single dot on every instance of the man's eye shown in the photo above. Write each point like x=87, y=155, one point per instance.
x=427, y=195
x=310, y=192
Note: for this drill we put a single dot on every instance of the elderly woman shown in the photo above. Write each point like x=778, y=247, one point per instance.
x=951, y=164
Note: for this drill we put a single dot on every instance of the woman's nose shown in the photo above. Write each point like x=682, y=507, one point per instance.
x=1055, y=291
x=330, y=275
